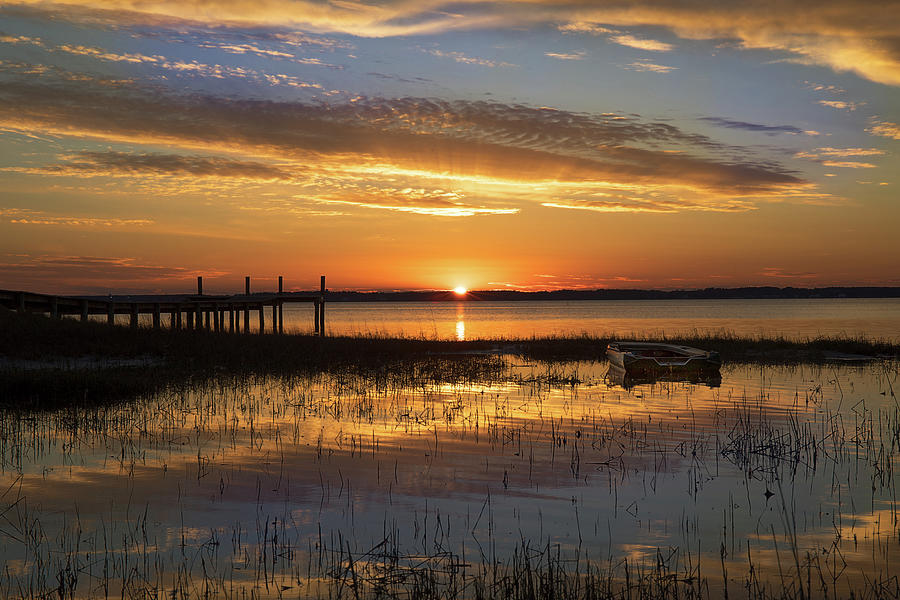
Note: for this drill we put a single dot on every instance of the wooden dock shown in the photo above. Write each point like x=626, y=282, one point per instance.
x=177, y=311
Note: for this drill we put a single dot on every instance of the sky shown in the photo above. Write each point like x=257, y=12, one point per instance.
x=427, y=144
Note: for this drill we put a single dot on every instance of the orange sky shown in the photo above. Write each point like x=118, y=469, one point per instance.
x=503, y=145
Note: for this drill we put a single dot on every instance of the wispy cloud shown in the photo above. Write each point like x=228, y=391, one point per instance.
x=841, y=104
x=582, y=27
x=492, y=145
x=647, y=66
x=848, y=164
x=580, y=55
x=87, y=274
x=758, y=127
x=439, y=203
x=884, y=129
x=466, y=60
x=27, y=216
x=840, y=152
x=641, y=44
x=860, y=37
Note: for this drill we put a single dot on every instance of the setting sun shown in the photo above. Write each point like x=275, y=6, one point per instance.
x=460, y=290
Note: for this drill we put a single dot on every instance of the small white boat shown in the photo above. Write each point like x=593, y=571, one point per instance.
x=651, y=358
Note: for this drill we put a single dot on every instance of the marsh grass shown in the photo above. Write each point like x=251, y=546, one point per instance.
x=268, y=554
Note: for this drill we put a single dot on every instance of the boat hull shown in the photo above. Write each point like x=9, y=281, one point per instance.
x=644, y=359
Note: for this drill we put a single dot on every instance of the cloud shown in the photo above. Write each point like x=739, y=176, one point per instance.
x=492, y=145
x=27, y=216
x=115, y=163
x=641, y=44
x=420, y=201
x=841, y=104
x=780, y=273
x=649, y=67
x=467, y=60
x=580, y=55
x=72, y=273
x=746, y=126
x=840, y=152
x=884, y=129
x=859, y=37
x=581, y=27
x=848, y=164
x=186, y=68
x=824, y=156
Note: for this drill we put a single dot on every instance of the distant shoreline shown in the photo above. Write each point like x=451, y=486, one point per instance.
x=742, y=293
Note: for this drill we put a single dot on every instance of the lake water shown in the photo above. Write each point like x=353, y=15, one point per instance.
x=342, y=486
x=795, y=319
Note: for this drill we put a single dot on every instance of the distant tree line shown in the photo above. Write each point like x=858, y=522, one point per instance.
x=746, y=293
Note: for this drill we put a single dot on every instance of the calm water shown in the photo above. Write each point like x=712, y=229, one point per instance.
x=798, y=319
x=780, y=477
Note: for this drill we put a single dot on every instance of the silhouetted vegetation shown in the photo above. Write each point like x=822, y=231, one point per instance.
x=45, y=361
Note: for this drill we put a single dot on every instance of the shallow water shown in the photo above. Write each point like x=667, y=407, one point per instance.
x=794, y=319
x=304, y=487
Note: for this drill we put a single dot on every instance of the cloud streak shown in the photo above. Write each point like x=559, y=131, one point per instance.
x=380, y=139
x=859, y=37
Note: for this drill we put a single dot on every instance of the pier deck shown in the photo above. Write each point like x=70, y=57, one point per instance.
x=184, y=311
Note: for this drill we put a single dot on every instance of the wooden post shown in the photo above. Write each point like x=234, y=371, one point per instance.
x=262, y=319
x=275, y=317
x=316, y=318
x=199, y=285
x=247, y=285
x=110, y=313
x=189, y=317
x=54, y=308
x=246, y=319
x=322, y=305
x=206, y=319
x=216, y=315
x=172, y=314
x=20, y=301
x=156, y=315
x=280, y=318
x=198, y=317
x=178, y=317
x=134, y=314
x=231, y=318
x=84, y=310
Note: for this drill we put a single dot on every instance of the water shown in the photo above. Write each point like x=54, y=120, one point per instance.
x=310, y=487
x=794, y=319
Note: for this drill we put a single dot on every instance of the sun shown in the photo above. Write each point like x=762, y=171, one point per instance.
x=460, y=290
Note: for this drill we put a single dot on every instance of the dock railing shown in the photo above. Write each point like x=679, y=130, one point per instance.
x=184, y=311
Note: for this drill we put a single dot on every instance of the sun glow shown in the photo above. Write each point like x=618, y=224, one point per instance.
x=460, y=290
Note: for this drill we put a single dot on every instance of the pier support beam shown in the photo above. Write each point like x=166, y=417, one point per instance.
x=231, y=318
x=262, y=319
x=172, y=319
x=322, y=305
x=217, y=315
x=134, y=314
x=111, y=313
x=156, y=316
x=84, y=310
x=280, y=305
x=178, y=317
x=275, y=317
